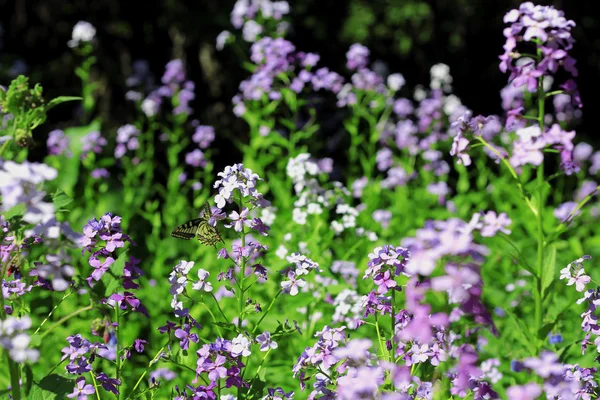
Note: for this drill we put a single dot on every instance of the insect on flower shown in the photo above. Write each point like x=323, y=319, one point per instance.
x=200, y=228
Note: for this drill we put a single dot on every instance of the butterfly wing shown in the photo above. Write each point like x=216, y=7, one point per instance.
x=207, y=234
x=188, y=230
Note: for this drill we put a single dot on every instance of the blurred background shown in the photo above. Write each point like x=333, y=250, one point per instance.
x=406, y=36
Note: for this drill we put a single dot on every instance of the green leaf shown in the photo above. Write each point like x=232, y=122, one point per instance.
x=526, y=336
x=60, y=199
x=562, y=353
x=112, y=280
x=257, y=389
x=61, y=99
x=51, y=387
x=18, y=210
x=69, y=167
x=549, y=268
x=28, y=379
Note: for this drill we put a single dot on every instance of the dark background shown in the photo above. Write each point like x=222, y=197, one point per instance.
x=408, y=35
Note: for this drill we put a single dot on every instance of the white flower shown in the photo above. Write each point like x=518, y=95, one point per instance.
x=395, y=82
x=240, y=346
x=293, y=284
x=149, y=107
x=222, y=39
x=299, y=216
x=337, y=227
x=251, y=31
x=440, y=76
x=83, y=32
x=20, y=351
x=281, y=251
x=202, y=284
x=419, y=353
x=268, y=215
x=580, y=280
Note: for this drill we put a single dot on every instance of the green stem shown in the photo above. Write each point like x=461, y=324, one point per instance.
x=266, y=312
x=12, y=366
x=14, y=378
x=4, y=146
x=95, y=384
x=218, y=306
x=242, y=270
x=146, y=371
x=66, y=318
x=539, y=307
x=393, y=326
x=118, y=358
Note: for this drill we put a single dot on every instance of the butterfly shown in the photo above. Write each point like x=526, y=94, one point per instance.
x=200, y=228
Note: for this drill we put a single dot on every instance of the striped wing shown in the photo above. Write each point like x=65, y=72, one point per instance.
x=188, y=230
x=207, y=234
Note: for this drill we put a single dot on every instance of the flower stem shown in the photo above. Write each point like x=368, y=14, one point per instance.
x=14, y=378
x=95, y=384
x=242, y=269
x=52, y=312
x=118, y=358
x=393, y=326
x=146, y=371
x=539, y=311
x=266, y=312
x=63, y=319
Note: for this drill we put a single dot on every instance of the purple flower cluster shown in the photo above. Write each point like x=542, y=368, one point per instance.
x=15, y=341
x=550, y=32
x=320, y=357
x=20, y=184
x=81, y=354
x=102, y=238
x=176, y=87
x=560, y=381
x=93, y=142
x=58, y=143
x=302, y=266
x=127, y=139
x=385, y=263
x=221, y=360
x=243, y=180
x=246, y=13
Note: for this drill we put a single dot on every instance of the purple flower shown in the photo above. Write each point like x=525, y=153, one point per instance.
x=204, y=136
x=184, y=336
x=93, y=142
x=238, y=220
x=383, y=217
x=58, y=143
x=384, y=282
x=195, y=158
x=82, y=390
x=109, y=384
x=264, y=339
x=357, y=57
x=530, y=391
x=138, y=345
x=493, y=223
x=174, y=73
x=546, y=365
x=100, y=173
x=566, y=211
x=293, y=284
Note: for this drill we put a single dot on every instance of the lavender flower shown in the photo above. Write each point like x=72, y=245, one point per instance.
x=58, y=143
x=82, y=390
x=265, y=341
x=357, y=57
